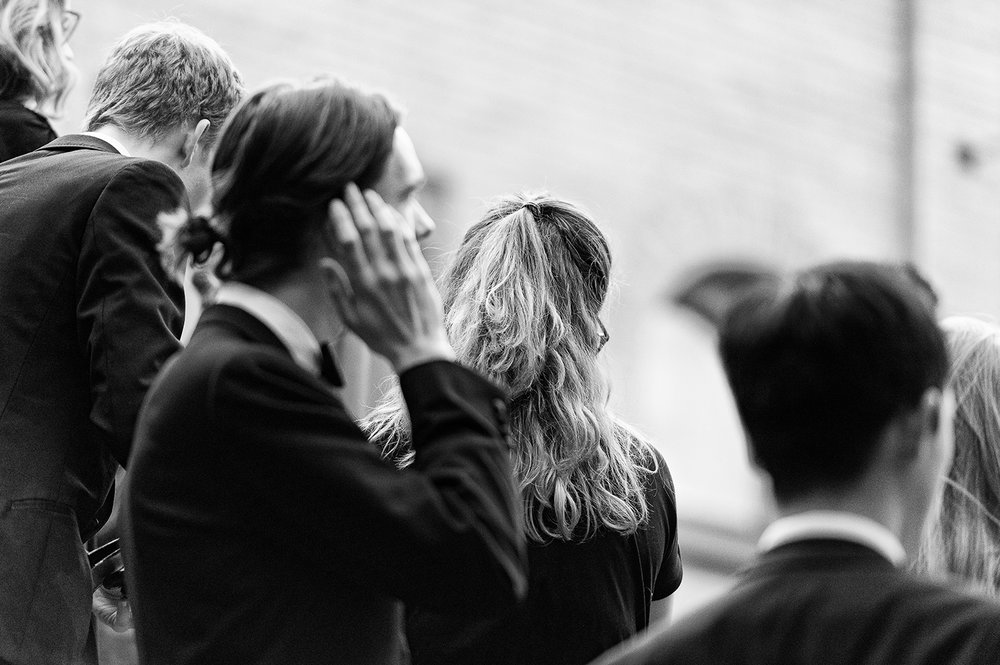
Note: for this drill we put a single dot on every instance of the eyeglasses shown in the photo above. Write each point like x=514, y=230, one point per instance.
x=604, y=336
x=69, y=20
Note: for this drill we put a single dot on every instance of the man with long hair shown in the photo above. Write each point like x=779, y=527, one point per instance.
x=88, y=316
x=259, y=524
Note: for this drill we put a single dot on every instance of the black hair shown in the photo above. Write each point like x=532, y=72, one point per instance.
x=819, y=365
x=284, y=154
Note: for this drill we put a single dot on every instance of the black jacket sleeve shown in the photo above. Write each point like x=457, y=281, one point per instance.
x=443, y=533
x=129, y=312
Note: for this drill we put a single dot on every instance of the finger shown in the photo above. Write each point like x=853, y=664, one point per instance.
x=344, y=239
x=414, y=254
x=391, y=227
x=365, y=222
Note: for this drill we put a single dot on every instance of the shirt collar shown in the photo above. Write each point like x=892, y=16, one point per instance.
x=278, y=317
x=838, y=525
x=113, y=142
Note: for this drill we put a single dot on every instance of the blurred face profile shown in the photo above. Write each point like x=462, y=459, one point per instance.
x=945, y=436
x=400, y=182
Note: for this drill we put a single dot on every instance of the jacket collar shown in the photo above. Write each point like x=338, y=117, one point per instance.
x=252, y=329
x=248, y=326
x=78, y=141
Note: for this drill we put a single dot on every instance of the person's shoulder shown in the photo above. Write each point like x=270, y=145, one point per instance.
x=22, y=130
x=944, y=595
x=142, y=172
x=79, y=162
x=15, y=114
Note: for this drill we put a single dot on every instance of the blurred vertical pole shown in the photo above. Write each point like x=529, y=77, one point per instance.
x=907, y=220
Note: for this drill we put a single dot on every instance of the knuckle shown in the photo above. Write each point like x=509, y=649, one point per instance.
x=389, y=276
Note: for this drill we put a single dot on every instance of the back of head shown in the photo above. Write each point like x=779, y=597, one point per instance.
x=963, y=536
x=284, y=154
x=161, y=76
x=820, y=363
x=522, y=303
x=34, y=65
x=523, y=295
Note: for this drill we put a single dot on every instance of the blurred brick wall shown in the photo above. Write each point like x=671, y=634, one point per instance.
x=779, y=130
x=957, y=202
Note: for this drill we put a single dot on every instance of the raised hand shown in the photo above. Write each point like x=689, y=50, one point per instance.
x=381, y=284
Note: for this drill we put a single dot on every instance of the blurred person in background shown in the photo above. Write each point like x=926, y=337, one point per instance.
x=88, y=315
x=522, y=302
x=260, y=524
x=839, y=377
x=36, y=71
x=962, y=538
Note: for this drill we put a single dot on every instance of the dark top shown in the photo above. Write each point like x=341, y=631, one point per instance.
x=583, y=598
x=22, y=130
x=261, y=526
x=87, y=317
x=828, y=602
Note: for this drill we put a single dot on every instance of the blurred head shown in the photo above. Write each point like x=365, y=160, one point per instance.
x=162, y=76
x=963, y=536
x=820, y=365
x=285, y=153
x=36, y=63
x=522, y=303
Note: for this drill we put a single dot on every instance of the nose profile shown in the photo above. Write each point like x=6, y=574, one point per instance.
x=423, y=225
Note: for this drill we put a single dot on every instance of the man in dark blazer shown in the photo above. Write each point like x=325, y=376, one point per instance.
x=88, y=315
x=838, y=376
x=260, y=525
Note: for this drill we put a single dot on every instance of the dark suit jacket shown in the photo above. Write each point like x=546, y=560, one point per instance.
x=261, y=526
x=87, y=317
x=21, y=129
x=828, y=602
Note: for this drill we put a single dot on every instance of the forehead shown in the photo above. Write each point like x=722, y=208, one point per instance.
x=403, y=171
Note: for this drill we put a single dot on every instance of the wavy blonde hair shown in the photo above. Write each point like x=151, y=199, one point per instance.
x=962, y=536
x=522, y=300
x=33, y=63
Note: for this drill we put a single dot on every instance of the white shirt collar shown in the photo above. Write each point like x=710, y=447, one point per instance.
x=278, y=317
x=113, y=142
x=833, y=524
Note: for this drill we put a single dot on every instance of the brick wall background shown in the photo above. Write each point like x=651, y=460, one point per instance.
x=776, y=130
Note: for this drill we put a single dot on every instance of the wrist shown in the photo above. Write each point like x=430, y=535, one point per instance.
x=420, y=353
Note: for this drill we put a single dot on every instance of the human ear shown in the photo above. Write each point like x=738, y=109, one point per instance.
x=937, y=411
x=192, y=142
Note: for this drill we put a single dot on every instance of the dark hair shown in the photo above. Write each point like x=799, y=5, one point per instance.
x=820, y=363
x=284, y=153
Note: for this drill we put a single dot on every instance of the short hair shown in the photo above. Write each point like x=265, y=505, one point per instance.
x=160, y=76
x=962, y=537
x=522, y=301
x=33, y=62
x=821, y=362
x=284, y=154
